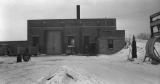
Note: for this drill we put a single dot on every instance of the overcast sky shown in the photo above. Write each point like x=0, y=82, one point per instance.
x=131, y=15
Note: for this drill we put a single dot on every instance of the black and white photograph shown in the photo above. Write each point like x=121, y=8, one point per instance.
x=79, y=41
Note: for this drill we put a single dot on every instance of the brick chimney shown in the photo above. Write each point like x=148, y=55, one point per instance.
x=78, y=12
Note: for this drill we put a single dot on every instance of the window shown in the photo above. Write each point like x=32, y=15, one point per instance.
x=35, y=41
x=110, y=43
x=71, y=40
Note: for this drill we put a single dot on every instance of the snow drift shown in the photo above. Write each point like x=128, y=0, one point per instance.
x=66, y=75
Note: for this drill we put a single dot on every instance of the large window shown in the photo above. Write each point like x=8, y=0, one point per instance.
x=35, y=41
x=110, y=43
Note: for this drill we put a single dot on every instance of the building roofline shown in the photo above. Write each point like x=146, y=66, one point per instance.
x=75, y=19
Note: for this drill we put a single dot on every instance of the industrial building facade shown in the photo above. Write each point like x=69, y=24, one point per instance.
x=79, y=36
x=55, y=36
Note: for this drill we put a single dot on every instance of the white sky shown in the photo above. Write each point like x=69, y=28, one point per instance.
x=131, y=15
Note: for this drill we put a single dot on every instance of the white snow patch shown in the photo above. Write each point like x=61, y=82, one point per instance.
x=68, y=75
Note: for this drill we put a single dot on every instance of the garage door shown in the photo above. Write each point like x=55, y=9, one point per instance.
x=54, y=42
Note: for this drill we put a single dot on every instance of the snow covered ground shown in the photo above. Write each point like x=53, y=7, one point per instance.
x=101, y=69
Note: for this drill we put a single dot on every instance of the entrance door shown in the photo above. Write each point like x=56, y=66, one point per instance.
x=54, y=42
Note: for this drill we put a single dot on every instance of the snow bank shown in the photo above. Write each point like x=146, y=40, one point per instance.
x=67, y=75
x=125, y=53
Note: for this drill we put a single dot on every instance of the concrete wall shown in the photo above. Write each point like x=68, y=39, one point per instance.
x=103, y=46
x=118, y=38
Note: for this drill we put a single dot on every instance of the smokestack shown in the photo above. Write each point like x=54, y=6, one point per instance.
x=78, y=12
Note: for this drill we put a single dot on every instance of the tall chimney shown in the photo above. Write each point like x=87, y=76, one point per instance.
x=78, y=11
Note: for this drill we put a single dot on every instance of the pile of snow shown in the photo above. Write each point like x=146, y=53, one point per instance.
x=67, y=75
x=125, y=53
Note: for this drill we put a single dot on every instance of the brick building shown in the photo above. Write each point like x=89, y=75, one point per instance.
x=59, y=36
x=11, y=48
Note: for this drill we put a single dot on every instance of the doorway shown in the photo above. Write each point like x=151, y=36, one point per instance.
x=53, y=42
